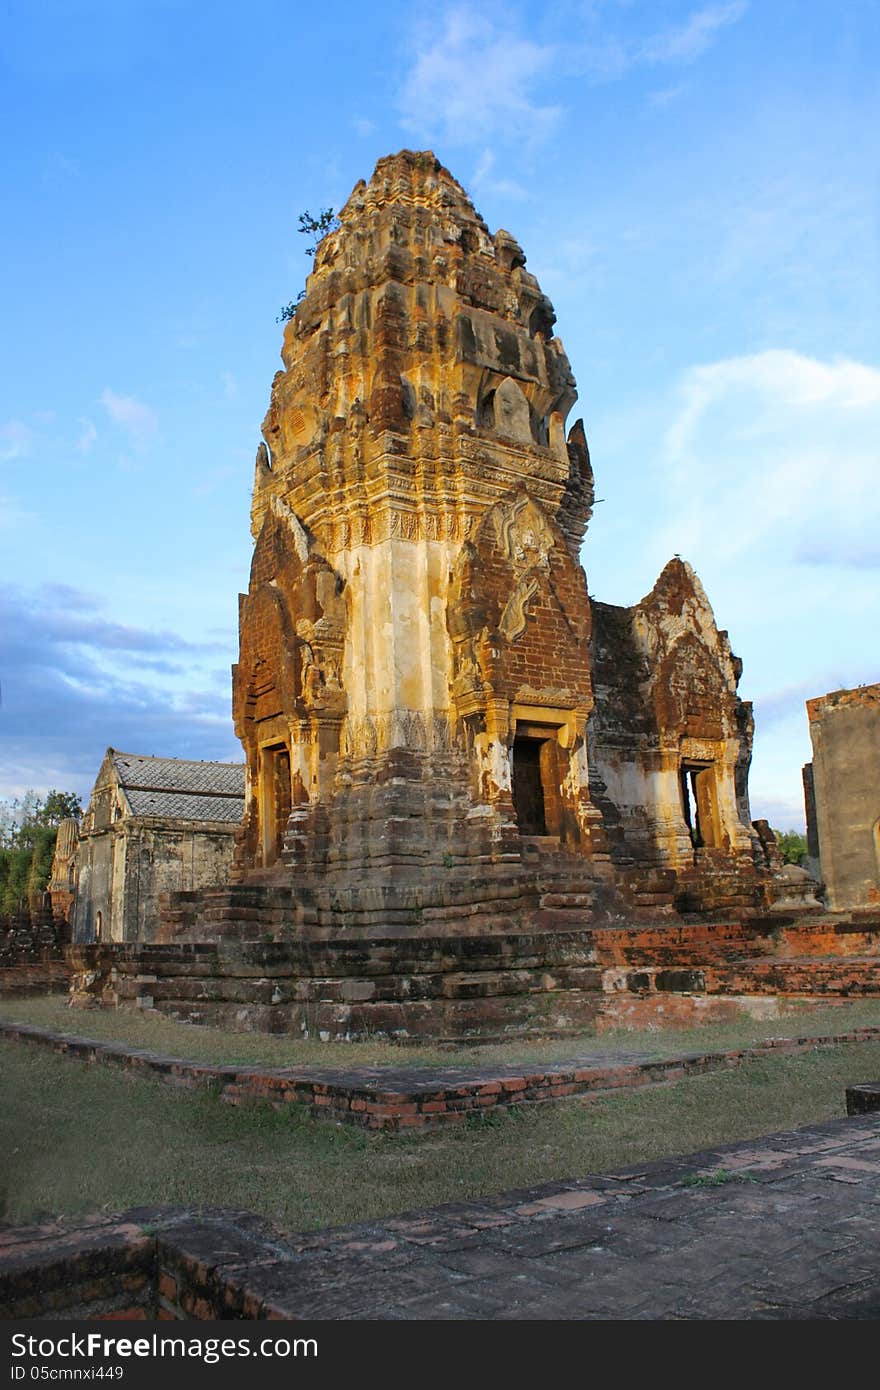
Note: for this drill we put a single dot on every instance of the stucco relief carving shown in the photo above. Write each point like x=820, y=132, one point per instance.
x=512, y=411
x=524, y=534
x=371, y=735
x=513, y=620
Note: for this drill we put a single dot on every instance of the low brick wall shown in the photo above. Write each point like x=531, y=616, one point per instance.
x=32, y=955
x=104, y=1270
x=47, y=976
x=405, y=1099
x=148, y=1264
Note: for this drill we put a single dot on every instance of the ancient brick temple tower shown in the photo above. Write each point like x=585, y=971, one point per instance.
x=426, y=695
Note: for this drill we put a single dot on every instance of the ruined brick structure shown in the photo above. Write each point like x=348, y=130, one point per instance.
x=438, y=722
x=842, y=793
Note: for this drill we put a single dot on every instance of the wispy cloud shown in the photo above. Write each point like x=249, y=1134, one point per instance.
x=16, y=439
x=138, y=420
x=610, y=56
x=211, y=480
x=87, y=435
x=858, y=549
x=778, y=450
x=689, y=41
x=666, y=96
x=59, y=168
x=473, y=77
x=11, y=514
x=485, y=180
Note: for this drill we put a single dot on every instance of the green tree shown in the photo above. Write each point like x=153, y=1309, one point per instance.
x=17, y=873
x=792, y=846
x=59, y=806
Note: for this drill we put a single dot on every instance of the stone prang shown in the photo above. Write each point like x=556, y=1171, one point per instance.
x=434, y=713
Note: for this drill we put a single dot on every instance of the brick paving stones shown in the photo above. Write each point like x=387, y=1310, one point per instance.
x=692, y=1238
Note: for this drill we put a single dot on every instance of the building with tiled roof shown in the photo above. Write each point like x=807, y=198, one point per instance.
x=153, y=826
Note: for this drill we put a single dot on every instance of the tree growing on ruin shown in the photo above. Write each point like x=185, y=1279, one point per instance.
x=317, y=228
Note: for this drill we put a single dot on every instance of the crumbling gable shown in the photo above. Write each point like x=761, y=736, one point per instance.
x=669, y=735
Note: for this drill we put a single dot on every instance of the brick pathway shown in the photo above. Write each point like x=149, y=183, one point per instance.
x=783, y=1227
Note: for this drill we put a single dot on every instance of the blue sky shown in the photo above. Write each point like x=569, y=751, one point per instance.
x=695, y=186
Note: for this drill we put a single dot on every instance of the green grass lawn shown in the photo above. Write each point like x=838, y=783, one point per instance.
x=76, y=1139
x=213, y=1045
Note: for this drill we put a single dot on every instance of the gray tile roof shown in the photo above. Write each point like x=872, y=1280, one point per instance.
x=181, y=790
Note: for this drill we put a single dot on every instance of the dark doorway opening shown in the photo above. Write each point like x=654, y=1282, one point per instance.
x=698, y=803
x=275, y=800
x=528, y=789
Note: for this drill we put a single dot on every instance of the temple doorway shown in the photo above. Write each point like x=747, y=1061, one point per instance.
x=528, y=791
x=699, y=803
x=536, y=792
x=274, y=799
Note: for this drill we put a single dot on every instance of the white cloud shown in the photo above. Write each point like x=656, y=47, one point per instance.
x=472, y=79
x=363, y=126
x=777, y=453
x=138, y=420
x=476, y=77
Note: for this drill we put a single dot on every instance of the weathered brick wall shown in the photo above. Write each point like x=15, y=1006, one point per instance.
x=32, y=957
x=473, y=987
